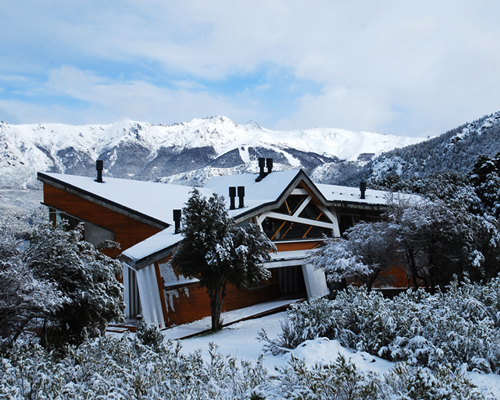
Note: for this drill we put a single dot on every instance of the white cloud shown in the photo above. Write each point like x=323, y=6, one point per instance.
x=106, y=100
x=342, y=107
x=410, y=67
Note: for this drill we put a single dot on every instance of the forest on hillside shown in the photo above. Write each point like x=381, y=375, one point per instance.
x=455, y=151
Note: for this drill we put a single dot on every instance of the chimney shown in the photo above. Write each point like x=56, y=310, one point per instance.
x=177, y=220
x=232, y=197
x=269, y=164
x=262, y=164
x=362, y=188
x=241, y=196
x=99, y=166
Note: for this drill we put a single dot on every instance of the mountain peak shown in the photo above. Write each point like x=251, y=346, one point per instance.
x=141, y=150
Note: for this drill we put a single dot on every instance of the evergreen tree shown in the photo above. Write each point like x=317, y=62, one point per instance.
x=87, y=278
x=485, y=178
x=216, y=252
x=23, y=297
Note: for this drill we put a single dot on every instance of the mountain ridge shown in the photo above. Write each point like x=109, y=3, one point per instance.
x=455, y=151
x=186, y=153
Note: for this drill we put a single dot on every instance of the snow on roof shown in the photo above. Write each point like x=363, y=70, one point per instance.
x=351, y=194
x=156, y=200
x=267, y=190
x=154, y=244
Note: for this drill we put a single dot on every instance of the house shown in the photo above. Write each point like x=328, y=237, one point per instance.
x=144, y=217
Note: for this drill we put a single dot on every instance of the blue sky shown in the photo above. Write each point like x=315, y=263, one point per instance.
x=412, y=68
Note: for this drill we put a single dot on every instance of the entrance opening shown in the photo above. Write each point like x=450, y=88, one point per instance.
x=291, y=281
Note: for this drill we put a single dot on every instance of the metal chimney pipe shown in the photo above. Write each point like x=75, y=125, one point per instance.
x=232, y=197
x=241, y=196
x=99, y=166
x=362, y=188
x=177, y=220
x=269, y=163
x=262, y=164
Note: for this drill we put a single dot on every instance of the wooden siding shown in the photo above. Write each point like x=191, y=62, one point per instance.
x=191, y=302
x=128, y=231
x=299, y=245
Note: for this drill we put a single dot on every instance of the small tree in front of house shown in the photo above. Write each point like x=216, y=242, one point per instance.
x=217, y=252
x=363, y=254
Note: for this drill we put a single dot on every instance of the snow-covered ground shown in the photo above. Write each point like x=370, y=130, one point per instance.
x=240, y=340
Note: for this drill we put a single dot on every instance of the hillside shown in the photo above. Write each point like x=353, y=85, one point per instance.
x=188, y=153
x=454, y=151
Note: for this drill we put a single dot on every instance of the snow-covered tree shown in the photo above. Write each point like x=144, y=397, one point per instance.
x=22, y=296
x=485, y=178
x=435, y=239
x=217, y=252
x=365, y=252
x=87, y=278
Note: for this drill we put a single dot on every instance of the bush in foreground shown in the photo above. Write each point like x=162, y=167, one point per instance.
x=125, y=368
x=461, y=325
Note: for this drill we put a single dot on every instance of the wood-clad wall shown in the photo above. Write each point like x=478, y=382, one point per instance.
x=191, y=302
x=304, y=245
x=128, y=231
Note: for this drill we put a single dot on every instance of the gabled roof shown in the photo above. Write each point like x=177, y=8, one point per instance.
x=154, y=202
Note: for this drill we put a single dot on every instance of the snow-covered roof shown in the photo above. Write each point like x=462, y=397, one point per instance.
x=155, y=200
x=158, y=200
x=347, y=194
x=160, y=242
x=268, y=190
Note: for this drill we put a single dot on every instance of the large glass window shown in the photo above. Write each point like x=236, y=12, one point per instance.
x=291, y=204
x=276, y=229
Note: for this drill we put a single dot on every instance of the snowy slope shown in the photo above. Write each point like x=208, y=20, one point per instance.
x=454, y=151
x=190, y=152
x=240, y=340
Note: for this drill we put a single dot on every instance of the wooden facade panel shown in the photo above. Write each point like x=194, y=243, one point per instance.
x=190, y=303
x=393, y=277
x=128, y=231
x=298, y=245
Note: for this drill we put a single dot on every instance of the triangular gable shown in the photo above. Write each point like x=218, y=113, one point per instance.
x=300, y=213
x=265, y=195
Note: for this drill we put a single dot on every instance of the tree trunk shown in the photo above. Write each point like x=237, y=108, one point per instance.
x=216, y=299
x=372, y=279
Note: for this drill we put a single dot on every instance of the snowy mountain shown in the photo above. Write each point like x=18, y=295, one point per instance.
x=188, y=153
x=454, y=151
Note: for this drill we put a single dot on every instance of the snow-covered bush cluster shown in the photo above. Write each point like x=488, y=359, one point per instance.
x=342, y=380
x=58, y=285
x=127, y=368
x=456, y=327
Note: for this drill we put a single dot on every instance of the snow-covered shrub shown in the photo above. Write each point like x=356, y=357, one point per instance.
x=338, y=380
x=356, y=318
x=23, y=297
x=149, y=335
x=87, y=278
x=419, y=383
x=460, y=325
x=123, y=368
x=363, y=253
x=341, y=380
x=305, y=321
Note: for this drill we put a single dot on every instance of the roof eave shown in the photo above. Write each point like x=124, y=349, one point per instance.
x=111, y=205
